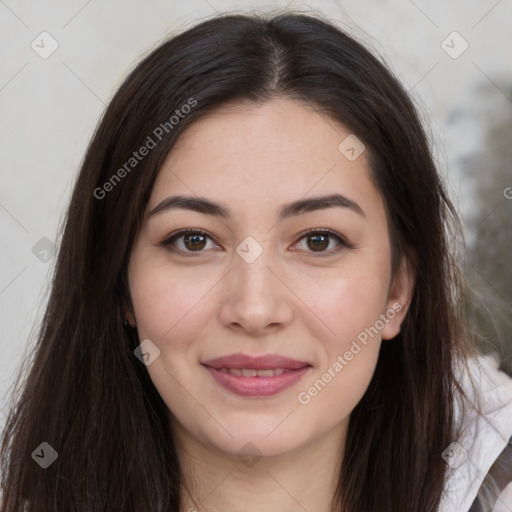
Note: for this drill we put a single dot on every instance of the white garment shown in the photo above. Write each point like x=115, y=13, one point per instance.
x=485, y=436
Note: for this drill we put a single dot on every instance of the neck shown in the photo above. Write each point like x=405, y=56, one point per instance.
x=303, y=479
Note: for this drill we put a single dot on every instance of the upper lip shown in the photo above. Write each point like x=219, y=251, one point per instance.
x=265, y=362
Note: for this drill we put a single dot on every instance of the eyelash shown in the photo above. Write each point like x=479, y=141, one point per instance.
x=343, y=243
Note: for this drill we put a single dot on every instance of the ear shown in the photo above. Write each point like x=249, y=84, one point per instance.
x=399, y=298
x=129, y=316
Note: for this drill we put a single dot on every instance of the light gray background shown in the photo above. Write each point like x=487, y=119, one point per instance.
x=50, y=107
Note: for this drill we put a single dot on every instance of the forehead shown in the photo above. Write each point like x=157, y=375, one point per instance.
x=268, y=153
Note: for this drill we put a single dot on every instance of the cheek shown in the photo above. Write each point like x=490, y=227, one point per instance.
x=336, y=388
x=350, y=306
x=349, y=303
x=349, y=349
x=168, y=302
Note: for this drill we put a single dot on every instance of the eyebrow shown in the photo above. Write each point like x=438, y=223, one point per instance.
x=300, y=207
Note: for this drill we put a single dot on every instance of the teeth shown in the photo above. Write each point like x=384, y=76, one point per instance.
x=267, y=373
x=251, y=372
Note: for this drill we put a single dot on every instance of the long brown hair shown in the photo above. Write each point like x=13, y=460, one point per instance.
x=91, y=399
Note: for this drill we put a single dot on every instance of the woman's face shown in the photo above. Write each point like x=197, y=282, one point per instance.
x=249, y=282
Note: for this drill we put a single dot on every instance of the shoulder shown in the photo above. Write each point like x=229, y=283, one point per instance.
x=480, y=460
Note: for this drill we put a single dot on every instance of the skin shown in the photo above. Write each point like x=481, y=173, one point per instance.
x=253, y=159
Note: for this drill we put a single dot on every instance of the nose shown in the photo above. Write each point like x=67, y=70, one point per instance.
x=255, y=296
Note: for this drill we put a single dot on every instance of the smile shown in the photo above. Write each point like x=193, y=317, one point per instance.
x=259, y=376
x=251, y=372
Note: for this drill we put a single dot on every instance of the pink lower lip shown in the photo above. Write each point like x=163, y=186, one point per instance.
x=257, y=386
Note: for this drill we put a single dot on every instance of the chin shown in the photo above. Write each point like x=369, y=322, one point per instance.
x=267, y=441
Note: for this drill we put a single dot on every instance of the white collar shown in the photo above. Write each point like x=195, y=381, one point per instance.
x=484, y=436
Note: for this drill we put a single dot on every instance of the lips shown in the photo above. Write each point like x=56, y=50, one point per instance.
x=251, y=372
x=268, y=362
x=256, y=376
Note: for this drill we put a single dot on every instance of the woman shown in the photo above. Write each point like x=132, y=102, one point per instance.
x=255, y=303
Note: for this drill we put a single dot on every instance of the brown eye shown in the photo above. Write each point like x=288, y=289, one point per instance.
x=318, y=242
x=187, y=242
x=194, y=242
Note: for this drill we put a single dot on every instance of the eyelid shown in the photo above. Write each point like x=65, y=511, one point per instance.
x=343, y=242
x=167, y=242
